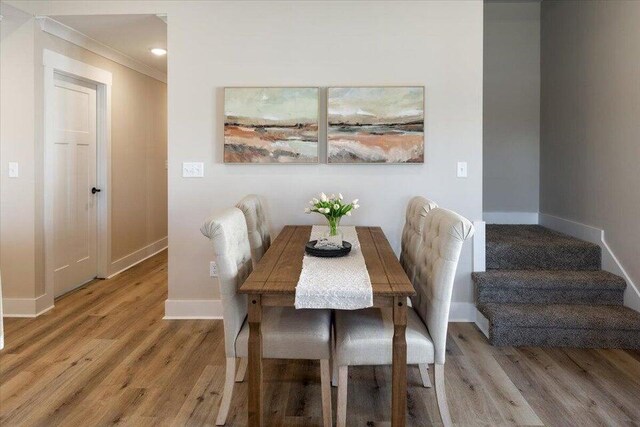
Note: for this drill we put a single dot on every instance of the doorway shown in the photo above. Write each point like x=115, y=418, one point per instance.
x=74, y=166
x=77, y=164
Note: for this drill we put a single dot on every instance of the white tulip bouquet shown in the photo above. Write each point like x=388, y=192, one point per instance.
x=333, y=208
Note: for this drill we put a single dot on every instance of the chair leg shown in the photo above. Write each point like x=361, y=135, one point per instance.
x=441, y=395
x=242, y=369
x=424, y=374
x=228, y=391
x=334, y=366
x=343, y=378
x=325, y=383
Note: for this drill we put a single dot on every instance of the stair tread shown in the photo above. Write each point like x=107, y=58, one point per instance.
x=571, y=316
x=533, y=247
x=531, y=235
x=549, y=279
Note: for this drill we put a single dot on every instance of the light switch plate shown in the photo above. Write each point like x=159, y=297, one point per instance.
x=462, y=170
x=192, y=169
x=14, y=170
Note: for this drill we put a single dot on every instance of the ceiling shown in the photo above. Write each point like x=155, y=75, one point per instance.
x=132, y=35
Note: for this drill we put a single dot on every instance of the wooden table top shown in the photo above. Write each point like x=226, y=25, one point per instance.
x=279, y=269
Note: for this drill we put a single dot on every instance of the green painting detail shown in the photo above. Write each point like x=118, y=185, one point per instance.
x=375, y=125
x=271, y=125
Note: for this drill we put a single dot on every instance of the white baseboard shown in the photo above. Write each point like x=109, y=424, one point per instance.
x=609, y=260
x=193, y=309
x=510, y=217
x=479, y=246
x=482, y=323
x=26, y=307
x=128, y=261
x=462, y=312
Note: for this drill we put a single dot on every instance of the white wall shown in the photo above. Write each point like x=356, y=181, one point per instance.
x=17, y=144
x=437, y=44
x=590, y=110
x=511, y=149
x=213, y=45
x=139, y=122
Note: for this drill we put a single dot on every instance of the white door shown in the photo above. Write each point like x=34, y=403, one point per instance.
x=74, y=176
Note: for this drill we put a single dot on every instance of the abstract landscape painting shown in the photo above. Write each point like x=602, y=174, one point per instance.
x=375, y=125
x=271, y=125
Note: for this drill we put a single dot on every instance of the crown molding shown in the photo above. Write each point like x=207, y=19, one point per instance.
x=64, y=32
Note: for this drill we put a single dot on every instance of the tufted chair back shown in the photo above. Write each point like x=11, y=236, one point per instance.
x=412, y=233
x=257, y=225
x=444, y=234
x=228, y=232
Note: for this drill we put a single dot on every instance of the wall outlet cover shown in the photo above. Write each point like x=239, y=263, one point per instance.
x=213, y=269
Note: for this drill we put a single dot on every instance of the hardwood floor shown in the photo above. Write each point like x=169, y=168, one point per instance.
x=104, y=356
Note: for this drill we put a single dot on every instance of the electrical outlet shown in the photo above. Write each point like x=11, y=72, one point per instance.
x=213, y=269
x=462, y=170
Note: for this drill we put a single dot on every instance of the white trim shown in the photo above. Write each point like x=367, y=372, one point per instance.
x=193, y=309
x=510, y=217
x=482, y=323
x=462, y=312
x=136, y=257
x=56, y=63
x=479, y=246
x=609, y=260
x=75, y=68
x=71, y=35
x=26, y=307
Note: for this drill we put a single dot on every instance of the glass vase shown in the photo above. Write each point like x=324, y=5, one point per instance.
x=334, y=235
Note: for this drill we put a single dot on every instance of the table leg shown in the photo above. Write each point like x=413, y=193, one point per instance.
x=399, y=372
x=255, y=361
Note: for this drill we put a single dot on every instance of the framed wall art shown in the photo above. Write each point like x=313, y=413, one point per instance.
x=375, y=125
x=271, y=125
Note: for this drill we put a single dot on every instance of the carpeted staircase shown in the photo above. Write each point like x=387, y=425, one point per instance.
x=544, y=288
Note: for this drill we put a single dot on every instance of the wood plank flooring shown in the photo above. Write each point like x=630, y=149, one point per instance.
x=104, y=356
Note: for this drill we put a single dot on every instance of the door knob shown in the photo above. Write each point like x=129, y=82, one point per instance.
x=95, y=190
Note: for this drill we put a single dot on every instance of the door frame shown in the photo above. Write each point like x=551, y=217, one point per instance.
x=54, y=62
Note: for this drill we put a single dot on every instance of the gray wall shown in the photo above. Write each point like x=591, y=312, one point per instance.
x=590, y=111
x=511, y=121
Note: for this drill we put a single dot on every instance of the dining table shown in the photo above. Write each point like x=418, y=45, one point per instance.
x=273, y=283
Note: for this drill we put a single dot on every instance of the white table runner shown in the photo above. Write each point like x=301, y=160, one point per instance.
x=336, y=283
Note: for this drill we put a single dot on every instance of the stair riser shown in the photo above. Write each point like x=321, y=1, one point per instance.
x=560, y=337
x=549, y=296
x=509, y=257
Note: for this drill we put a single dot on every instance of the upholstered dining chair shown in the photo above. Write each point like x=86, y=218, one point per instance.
x=256, y=217
x=412, y=238
x=364, y=337
x=417, y=210
x=287, y=333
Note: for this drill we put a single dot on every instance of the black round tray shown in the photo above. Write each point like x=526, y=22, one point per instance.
x=327, y=253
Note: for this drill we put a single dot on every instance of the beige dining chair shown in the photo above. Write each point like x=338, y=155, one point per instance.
x=364, y=337
x=417, y=210
x=412, y=239
x=287, y=333
x=255, y=215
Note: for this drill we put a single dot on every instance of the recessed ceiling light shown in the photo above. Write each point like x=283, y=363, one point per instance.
x=158, y=51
